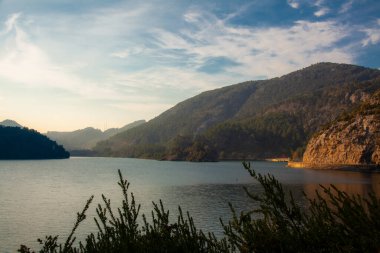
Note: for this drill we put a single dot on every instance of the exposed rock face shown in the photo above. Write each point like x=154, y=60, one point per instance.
x=353, y=141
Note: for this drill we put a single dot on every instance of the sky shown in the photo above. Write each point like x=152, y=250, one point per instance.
x=71, y=64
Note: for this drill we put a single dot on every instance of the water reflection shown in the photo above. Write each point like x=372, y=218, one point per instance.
x=353, y=183
x=39, y=198
x=207, y=203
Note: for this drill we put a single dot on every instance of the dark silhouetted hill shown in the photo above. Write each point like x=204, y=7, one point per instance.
x=23, y=143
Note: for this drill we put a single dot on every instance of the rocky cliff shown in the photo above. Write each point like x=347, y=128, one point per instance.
x=354, y=139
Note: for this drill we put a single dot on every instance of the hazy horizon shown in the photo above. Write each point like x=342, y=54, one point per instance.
x=67, y=65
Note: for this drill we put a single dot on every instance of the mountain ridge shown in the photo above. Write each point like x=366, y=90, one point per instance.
x=86, y=138
x=325, y=84
x=10, y=123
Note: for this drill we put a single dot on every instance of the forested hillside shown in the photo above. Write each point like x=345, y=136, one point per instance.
x=23, y=143
x=251, y=120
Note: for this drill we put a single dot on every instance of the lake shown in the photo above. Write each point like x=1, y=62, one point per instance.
x=42, y=197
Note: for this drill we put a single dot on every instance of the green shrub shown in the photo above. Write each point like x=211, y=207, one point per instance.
x=336, y=223
x=119, y=231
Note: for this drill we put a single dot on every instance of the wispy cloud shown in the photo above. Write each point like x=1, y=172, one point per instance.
x=23, y=62
x=257, y=51
x=129, y=52
x=321, y=12
x=346, y=6
x=123, y=55
x=164, y=79
x=10, y=23
x=322, y=9
x=150, y=110
x=294, y=4
x=372, y=35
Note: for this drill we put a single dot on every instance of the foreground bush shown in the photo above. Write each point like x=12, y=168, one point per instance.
x=336, y=223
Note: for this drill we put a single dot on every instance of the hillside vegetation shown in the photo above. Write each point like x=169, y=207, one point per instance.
x=23, y=143
x=250, y=120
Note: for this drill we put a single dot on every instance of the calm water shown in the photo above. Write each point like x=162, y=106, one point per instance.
x=38, y=198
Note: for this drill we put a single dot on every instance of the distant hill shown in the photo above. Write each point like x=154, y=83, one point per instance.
x=250, y=120
x=10, y=123
x=85, y=139
x=23, y=143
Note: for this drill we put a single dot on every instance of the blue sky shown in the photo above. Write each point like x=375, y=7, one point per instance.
x=66, y=65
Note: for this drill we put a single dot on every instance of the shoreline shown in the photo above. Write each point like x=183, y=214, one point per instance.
x=343, y=167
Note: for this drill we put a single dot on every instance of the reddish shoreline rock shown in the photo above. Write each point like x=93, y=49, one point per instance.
x=352, y=141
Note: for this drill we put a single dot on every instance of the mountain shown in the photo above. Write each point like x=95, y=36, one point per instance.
x=353, y=139
x=85, y=139
x=23, y=143
x=10, y=123
x=250, y=120
x=113, y=131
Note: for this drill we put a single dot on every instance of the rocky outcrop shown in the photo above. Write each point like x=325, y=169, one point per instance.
x=353, y=140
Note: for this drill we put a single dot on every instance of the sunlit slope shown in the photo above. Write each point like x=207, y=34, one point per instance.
x=250, y=120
